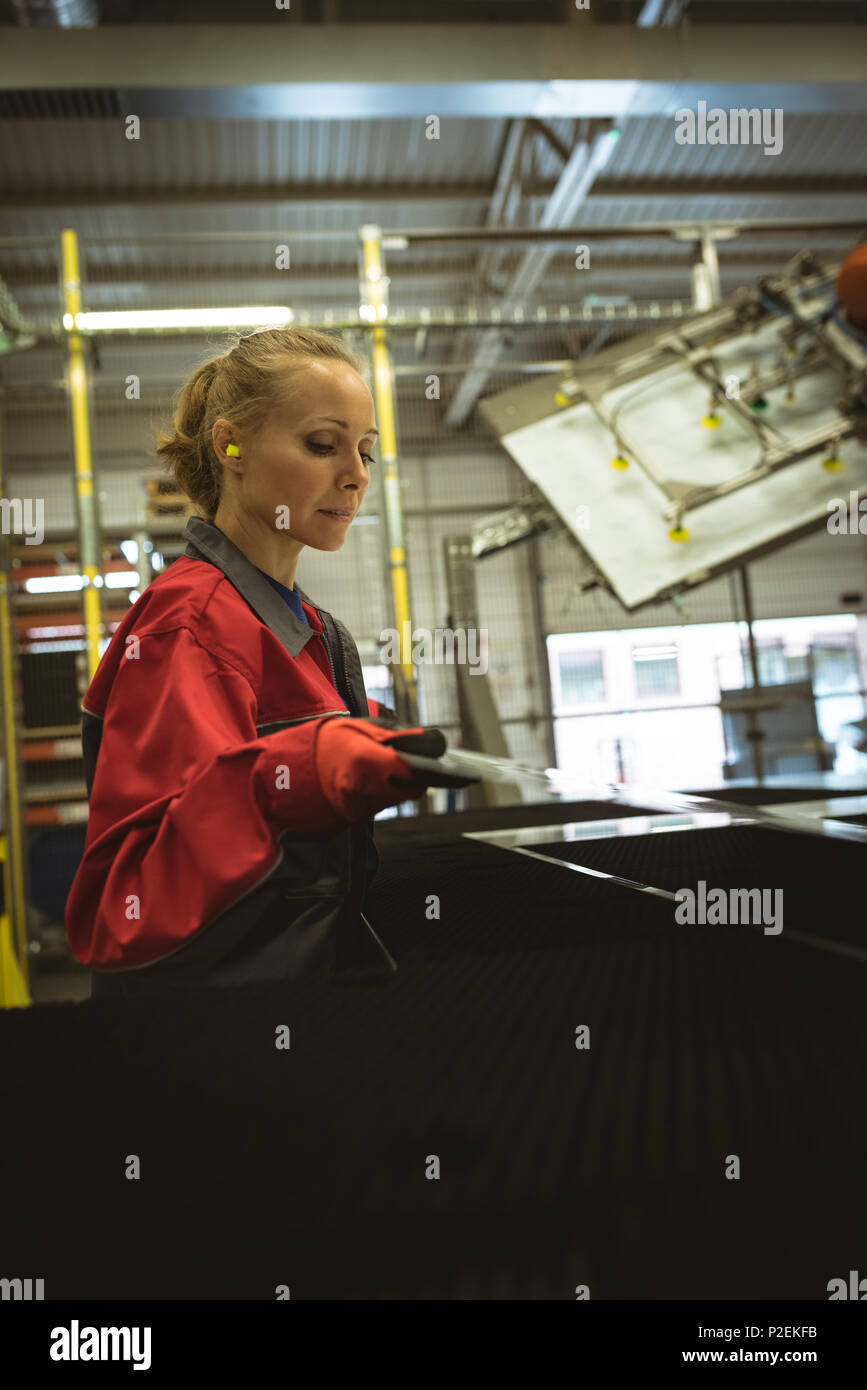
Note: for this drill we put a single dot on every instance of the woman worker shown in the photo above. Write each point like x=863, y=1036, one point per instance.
x=233, y=760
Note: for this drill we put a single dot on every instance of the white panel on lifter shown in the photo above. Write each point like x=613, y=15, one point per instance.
x=618, y=516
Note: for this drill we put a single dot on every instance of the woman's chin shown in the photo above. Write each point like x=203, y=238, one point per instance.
x=323, y=542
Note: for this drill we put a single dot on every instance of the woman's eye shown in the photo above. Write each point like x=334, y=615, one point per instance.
x=328, y=448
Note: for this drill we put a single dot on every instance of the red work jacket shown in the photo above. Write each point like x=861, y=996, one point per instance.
x=197, y=870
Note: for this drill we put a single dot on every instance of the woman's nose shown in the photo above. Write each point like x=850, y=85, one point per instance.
x=357, y=471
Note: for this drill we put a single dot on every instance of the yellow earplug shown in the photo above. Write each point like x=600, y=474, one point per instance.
x=619, y=462
x=233, y=451
x=678, y=533
x=832, y=464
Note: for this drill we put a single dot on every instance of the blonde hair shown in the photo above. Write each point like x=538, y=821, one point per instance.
x=242, y=385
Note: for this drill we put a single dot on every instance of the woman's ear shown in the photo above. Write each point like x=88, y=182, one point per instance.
x=225, y=440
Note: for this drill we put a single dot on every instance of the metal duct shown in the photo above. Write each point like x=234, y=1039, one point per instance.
x=56, y=14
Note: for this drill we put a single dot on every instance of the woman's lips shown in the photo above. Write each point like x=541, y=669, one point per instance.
x=337, y=515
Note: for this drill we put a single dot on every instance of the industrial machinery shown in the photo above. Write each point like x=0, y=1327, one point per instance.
x=699, y=445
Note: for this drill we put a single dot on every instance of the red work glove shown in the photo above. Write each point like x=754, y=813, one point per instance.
x=359, y=771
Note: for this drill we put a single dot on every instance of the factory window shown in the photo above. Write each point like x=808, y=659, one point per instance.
x=777, y=664
x=835, y=668
x=656, y=670
x=797, y=666
x=771, y=662
x=659, y=719
x=582, y=677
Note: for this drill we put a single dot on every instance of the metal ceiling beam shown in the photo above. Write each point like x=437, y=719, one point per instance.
x=661, y=12
x=675, y=191
x=361, y=194
x=706, y=207
x=323, y=281
x=677, y=228
x=502, y=211
x=636, y=230
x=576, y=178
x=803, y=186
x=308, y=72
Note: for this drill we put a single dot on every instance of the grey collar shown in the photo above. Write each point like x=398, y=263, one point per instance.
x=206, y=541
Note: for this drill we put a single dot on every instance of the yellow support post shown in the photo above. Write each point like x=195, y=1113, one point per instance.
x=14, y=969
x=374, y=295
x=89, y=556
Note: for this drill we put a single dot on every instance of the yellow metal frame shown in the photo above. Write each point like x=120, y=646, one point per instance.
x=89, y=555
x=374, y=295
x=14, y=966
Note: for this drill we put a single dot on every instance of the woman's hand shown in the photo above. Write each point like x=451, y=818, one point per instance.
x=360, y=768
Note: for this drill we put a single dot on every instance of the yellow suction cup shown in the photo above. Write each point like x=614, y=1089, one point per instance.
x=678, y=533
x=711, y=421
x=832, y=464
x=619, y=462
x=562, y=399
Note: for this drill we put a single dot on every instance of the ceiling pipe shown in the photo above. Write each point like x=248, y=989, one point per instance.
x=56, y=14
